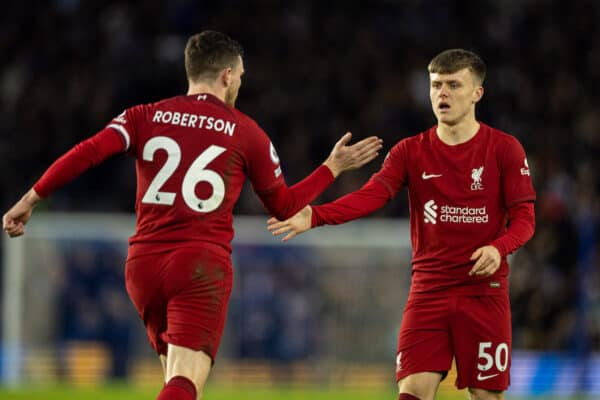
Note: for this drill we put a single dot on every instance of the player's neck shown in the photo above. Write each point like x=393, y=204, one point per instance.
x=201, y=87
x=458, y=133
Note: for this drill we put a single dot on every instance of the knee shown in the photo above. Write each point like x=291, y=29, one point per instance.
x=419, y=386
x=483, y=394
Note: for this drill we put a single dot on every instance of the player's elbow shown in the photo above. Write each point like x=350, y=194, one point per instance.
x=531, y=226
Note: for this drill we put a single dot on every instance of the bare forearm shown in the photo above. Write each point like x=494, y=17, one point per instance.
x=31, y=198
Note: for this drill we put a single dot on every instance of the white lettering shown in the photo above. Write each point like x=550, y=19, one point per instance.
x=219, y=125
x=184, y=119
x=194, y=121
x=454, y=215
x=176, y=118
x=229, y=127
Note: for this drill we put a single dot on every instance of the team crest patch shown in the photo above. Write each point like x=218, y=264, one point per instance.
x=476, y=176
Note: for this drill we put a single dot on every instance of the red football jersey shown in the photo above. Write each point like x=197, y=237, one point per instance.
x=193, y=154
x=459, y=200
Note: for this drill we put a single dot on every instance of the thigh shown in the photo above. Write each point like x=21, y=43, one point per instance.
x=422, y=385
x=143, y=281
x=198, y=286
x=424, y=341
x=483, y=341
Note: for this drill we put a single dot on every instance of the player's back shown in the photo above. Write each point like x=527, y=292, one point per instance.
x=192, y=155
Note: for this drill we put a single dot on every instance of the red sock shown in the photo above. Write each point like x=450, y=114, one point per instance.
x=178, y=388
x=406, y=396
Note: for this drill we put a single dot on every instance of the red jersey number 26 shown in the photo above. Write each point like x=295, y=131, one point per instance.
x=195, y=174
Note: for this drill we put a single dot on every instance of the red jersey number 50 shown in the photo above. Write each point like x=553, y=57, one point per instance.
x=195, y=174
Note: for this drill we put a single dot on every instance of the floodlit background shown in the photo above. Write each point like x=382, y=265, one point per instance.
x=321, y=314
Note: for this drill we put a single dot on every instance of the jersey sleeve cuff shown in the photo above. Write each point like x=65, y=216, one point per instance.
x=316, y=219
x=39, y=189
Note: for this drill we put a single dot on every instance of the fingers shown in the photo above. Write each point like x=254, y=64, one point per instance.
x=487, y=261
x=480, y=268
x=289, y=236
x=344, y=140
x=369, y=155
x=17, y=232
x=9, y=225
x=367, y=145
x=365, y=151
x=476, y=254
x=277, y=227
x=281, y=230
x=14, y=229
x=486, y=264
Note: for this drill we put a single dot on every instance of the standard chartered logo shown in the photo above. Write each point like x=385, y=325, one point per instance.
x=454, y=215
x=430, y=212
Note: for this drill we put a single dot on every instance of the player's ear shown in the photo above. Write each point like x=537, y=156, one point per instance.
x=477, y=94
x=226, y=76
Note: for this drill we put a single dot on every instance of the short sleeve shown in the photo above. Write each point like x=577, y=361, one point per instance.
x=125, y=124
x=263, y=166
x=393, y=173
x=516, y=175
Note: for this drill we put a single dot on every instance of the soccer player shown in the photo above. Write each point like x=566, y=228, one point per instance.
x=192, y=154
x=465, y=181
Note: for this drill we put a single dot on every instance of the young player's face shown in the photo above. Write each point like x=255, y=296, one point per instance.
x=236, y=82
x=453, y=96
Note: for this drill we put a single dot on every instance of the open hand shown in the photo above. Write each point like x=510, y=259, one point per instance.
x=344, y=157
x=301, y=222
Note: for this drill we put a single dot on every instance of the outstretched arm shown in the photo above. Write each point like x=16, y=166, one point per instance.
x=372, y=196
x=283, y=202
x=86, y=154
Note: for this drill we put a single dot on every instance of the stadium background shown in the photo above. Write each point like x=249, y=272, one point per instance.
x=313, y=71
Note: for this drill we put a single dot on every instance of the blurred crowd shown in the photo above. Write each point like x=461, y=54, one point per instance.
x=313, y=71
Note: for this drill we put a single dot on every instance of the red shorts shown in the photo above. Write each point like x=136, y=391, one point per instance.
x=475, y=330
x=181, y=295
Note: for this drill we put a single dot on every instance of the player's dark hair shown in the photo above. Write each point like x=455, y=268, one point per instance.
x=208, y=53
x=453, y=60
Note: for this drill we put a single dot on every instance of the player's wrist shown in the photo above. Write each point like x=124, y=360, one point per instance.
x=31, y=198
x=335, y=171
x=499, y=248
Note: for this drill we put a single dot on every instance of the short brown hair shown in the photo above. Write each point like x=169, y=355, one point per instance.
x=209, y=52
x=453, y=60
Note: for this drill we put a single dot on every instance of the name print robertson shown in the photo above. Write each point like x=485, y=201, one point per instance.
x=194, y=121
